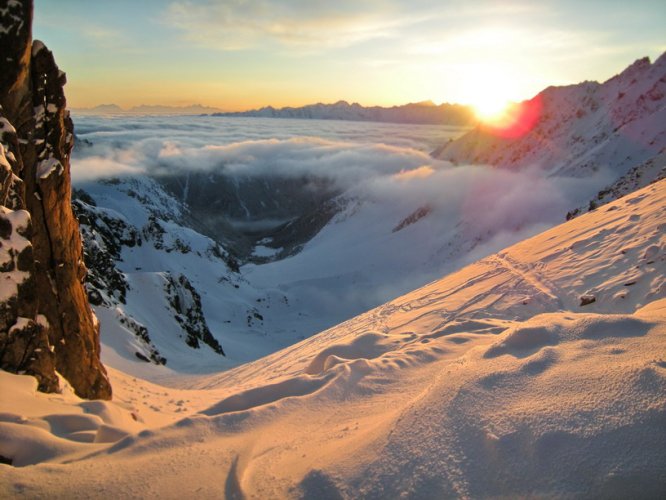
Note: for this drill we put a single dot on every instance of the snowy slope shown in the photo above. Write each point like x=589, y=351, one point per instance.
x=617, y=127
x=386, y=236
x=168, y=298
x=493, y=381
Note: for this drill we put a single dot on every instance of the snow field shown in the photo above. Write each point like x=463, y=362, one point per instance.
x=492, y=380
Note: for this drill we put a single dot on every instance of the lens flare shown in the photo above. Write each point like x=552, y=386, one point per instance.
x=491, y=110
x=516, y=120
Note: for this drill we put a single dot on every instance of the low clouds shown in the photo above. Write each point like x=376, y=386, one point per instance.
x=345, y=153
x=380, y=162
x=385, y=165
x=448, y=215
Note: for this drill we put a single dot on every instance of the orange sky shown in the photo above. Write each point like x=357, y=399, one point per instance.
x=240, y=55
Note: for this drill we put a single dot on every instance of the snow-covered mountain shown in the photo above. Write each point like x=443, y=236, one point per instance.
x=419, y=112
x=268, y=259
x=165, y=294
x=615, y=127
x=536, y=371
x=273, y=239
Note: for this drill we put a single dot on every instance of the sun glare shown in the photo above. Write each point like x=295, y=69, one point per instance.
x=488, y=88
x=490, y=109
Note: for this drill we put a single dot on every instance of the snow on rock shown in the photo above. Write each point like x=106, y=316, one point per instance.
x=163, y=289
x=492, y=381
x=37, y=46
x=47, y=167
x=186, y=304
x=15, y=252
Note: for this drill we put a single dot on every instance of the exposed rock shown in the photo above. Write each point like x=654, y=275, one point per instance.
x=105, y=233
x=24, y=342
x=413, y=218
x=103, y=237
x=150, y=351
x=46, y=317
x=186, y=304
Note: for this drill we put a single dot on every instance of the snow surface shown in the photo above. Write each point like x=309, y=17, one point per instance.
x=46, y=167
x=490, y=382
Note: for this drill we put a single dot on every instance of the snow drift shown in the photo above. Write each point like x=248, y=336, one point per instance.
x=495, y=380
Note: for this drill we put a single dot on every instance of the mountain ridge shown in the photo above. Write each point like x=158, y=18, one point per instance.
x=579, y=129
x=424, y=112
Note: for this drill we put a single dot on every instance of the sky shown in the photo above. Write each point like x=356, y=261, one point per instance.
x=244, y=54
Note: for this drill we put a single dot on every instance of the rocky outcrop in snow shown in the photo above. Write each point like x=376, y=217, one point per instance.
x=103, y=236
x=107, y=233
x=186, y=304
x=47, y=323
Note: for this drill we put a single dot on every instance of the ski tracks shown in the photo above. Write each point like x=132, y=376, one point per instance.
x=528, y=275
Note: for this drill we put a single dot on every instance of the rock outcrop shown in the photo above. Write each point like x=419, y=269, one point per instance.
x=46, y=323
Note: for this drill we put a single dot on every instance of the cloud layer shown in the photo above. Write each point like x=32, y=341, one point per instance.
x=370, y=252
x=380, y=161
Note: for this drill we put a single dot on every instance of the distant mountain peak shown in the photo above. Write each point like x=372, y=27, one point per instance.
x=424, y=112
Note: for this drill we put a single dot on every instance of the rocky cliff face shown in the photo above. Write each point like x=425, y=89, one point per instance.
x=46, y=323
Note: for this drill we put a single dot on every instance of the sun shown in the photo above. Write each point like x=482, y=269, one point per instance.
x=488, y=89
x=491, y=109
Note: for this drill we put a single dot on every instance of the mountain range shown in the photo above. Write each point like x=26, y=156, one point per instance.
x=425, y=112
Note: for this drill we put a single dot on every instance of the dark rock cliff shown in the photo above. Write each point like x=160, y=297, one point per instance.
x=46, y=323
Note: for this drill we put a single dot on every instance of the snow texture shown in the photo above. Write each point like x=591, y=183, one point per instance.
x=492, y=381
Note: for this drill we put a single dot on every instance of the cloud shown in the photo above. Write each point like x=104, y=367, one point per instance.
x=96, y=167
x=386, y=163
x=422, y=26
x=345, y=153
x=419, y=172
x=235, y=25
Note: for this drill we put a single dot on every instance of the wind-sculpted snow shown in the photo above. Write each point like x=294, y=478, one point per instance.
x=494, y=380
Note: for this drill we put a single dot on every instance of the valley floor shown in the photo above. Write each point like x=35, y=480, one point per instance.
x=537, y=371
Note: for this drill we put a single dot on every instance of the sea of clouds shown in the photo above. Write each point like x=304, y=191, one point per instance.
x=382, y=161
x=386, y=168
